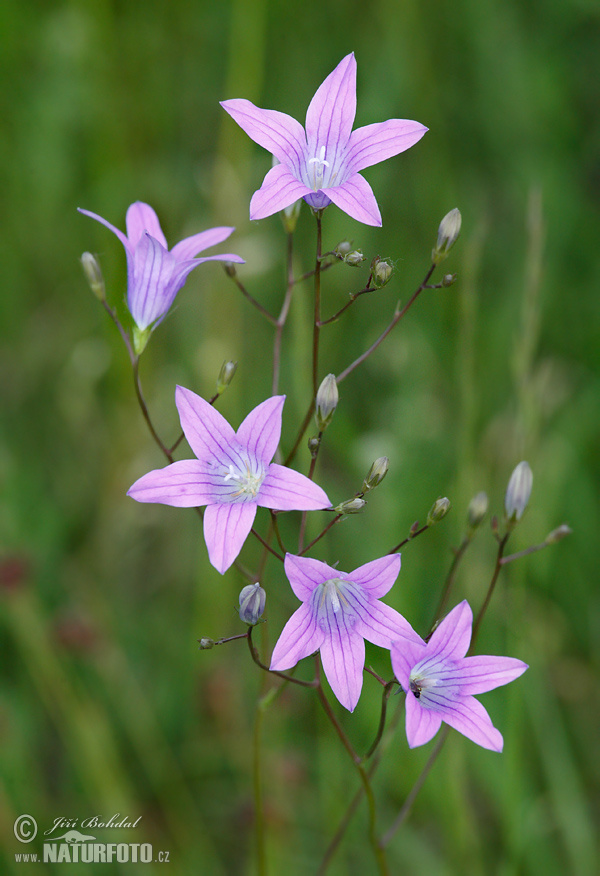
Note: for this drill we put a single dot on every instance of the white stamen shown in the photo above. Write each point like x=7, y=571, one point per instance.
x=320, y=164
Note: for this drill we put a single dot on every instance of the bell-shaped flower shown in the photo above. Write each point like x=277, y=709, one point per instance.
x=339, y=611
x=232, y=474
x=155, y=274
x=321, y=162
x=440, y=682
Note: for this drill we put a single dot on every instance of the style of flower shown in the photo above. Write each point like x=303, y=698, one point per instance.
x=232, y=474
x=440, y=681
x=155, y=274
x=321, y=163
x=339, y=611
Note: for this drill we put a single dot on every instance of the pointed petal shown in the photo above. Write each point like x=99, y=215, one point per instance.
x=331, y=112
x=261, y=430
x=304, y=574
x=122, y=237
x=284, y=489
x=142, y=218
x=191, y=246
x=380, y=624
x=226, y=528
x=421, y=724
x=377, y=576
x=453, y=636
x=279, y=190
x=343, y=658
x=406, y=653
x=301, y=636
x=150, y=270
x=355, y=197
x=479, y=674
x=375, y=143
x=208, y=433
x=277, y=132
x=471, y=719
x=182, y=484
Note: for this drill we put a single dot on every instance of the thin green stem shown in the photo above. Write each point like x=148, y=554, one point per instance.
x=283, y=315
x=384, y=703
x=144, y=408
x=258, y=661
x=335, y=520
x=449, y=582
x=408, y=538
x=317, y=303
x=252, y=299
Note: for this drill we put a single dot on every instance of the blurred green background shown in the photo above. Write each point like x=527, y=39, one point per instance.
x=106, y=703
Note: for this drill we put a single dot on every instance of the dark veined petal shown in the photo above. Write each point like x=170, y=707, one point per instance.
x=226, y=528
x=331, y=112
x=301, y=637
x=305, y=573
x=377, y=576
x=343, y=659
x=280, y=189
x=183, y=484
x=378, y=142
x=421, y=724
x=355, y=197
x=150, y=270
x=191, y=246
x=471, y=719
x=261, y=430
x=141, y=219
x=453, y=636
x=122, y=237
x=284, y=489
x=207, y=431
x=277, y=132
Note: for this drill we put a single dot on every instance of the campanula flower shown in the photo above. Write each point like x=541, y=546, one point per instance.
x=232, y=474
x=321, y=162
x=339, y=611
x=440, y=682
x=155, y=274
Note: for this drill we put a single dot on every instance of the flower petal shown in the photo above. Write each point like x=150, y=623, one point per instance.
x=355, y=197
x=277, y=132
x=381, y=624
x=284, y=489
x=122, y=237
x=304, y=574
x=142, y=218
x=261, y=430
x=301, y=636
x=453, y=636
x=421, y=724
x=226, y=528
x=471, y=719
x=406, y=653
x=331, y=112
x=343, y=658
x=482, y=673
x=375, y=143
x=208, y=433
x=191, y=246
x=150, y=270
x=279, y=190
x=182, y=484
x=377, y=576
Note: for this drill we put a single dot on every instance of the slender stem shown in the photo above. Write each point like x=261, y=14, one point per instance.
x=253, y=300
x=258, y=661
x=265, y=544
x=523, y=553
x=490, y=591
x=311, y=474
x=275, y=523
x=384, y=703
x=337, y=518
x=317, y=319
x=404, y=541
x=353, y=297
x=259, y=813
x=281, y=320
x=144, y=408
x=301, y=431
x=396, y=319
x=324, y=266
x=450, y=578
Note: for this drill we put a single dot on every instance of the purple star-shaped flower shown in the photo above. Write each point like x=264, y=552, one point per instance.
x=321, y=164
x=440, y=682
x=232, y=474
x=155, y=274
x=339, y=611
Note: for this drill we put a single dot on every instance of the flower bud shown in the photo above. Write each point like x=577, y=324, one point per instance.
x=351, y=506
x=558, y=534
x=477, y=510
x=343, y=248
x=206, y=644
x=448, y=280
x=313, y=445
x=252, y=603
x=326, y=402
x=225, y=377
x=376, y=474
x=354, y=258
x=414, y=529
x=93, y=274
x=140, y=339
x=438, y=510
x=381, y=273
x=289, y=216
x=230, y=269
x=447, y=235
x=518, y=492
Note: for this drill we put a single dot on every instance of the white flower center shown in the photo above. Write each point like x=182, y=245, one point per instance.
x=319, y=169
x=332, y=605
x=247, y=482
x=433, y=682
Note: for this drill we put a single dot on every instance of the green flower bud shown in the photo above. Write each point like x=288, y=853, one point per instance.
x=438, y=510
x=289, y=216
x=448, y=280
x=206, y=644
x=518, y=493
x=351, y=506
x=477, y=510
x=140, y=339
x=447, y=235
x=343, y=248
x=354, y=258
x=93, y=274
x=558, y=534
x=230, y=269
x=313, y=445
x=252, y=603
x=376, y=474
x=382, y=273
x=326, y=402
x=225, y=377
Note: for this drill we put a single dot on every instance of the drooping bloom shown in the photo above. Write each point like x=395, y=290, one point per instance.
x=440, y=682
x=231, y=475
x=339, y=611
x=321, y=164
x=155, y=274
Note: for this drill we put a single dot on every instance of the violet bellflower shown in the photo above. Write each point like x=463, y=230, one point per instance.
x=155, y=274
x=339, y=611
x=321, y=163
x=232, y=474
x=440, y=681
